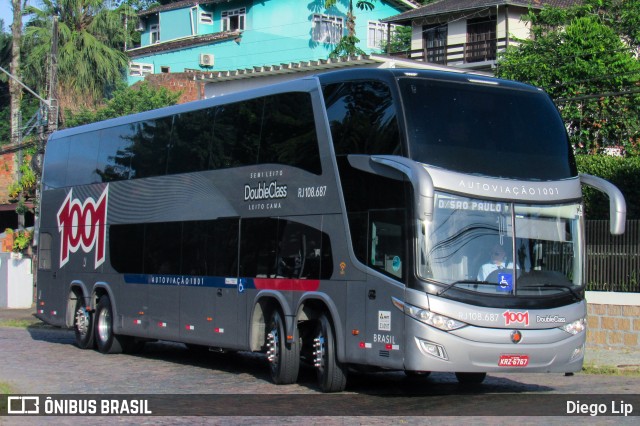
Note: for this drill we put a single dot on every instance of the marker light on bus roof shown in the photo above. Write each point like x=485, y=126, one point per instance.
x=474, y=80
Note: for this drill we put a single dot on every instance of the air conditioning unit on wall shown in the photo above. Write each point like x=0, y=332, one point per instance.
x=206, y=59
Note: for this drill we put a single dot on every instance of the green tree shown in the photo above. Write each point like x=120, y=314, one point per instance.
x=5, y=60
x=125, y=101
x=90, y=39
x=348, y=44
x=587, y=69
x=400, y=40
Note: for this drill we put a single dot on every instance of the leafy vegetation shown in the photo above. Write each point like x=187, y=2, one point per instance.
x=624, y=172
x=584, y=57
x=90, y=57
x=126, y=100
x=348, y=43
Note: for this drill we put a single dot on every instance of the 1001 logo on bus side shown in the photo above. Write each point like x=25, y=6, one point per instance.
x=83, y=225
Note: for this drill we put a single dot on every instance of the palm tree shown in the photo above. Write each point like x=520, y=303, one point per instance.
x=348, y=43
x=90, y=57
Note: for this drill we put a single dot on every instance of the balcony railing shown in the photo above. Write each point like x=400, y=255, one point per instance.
x=457, y=54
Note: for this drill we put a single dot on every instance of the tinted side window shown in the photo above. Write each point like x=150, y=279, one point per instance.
x=126, y=248
x=289, y=132
x=272, y=248
x=210, y=248
x=55, y=163
x=191, y=142
x=378, y=220
x=150, y=146
x=83, y=153
x=44, y=251
x=362, y=118
x=172, y=248
x=114, y=158
x=237, y=133
x=258, y=244
x=162, y=248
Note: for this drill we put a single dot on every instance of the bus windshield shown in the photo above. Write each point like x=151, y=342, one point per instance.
x=502, y=248
x=486, y=129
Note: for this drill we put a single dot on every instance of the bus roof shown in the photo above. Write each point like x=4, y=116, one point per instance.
x=301, y=84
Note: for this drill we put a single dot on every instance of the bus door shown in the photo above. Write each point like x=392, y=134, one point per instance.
x=210, y=305
x=386, y=255
x=50, y=281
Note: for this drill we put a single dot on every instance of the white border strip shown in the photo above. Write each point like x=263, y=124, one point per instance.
x=612, y=298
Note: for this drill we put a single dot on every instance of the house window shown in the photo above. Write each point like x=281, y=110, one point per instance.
x=377, y=36
x=165, y=69
x=434, y=39
x=206, y=18
x=154, y=33
x=138, y=69
x=327, y=28
x=481, y=40
x=234, y=20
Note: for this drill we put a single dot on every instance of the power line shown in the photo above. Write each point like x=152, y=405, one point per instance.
x=599, y=95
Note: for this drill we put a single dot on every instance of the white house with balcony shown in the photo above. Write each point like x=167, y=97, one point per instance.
x=468, y=33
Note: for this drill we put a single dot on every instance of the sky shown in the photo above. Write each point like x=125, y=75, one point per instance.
x=6, y=14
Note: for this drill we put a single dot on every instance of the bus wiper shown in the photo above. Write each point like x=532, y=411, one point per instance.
x=476, y=282
x=547, y=285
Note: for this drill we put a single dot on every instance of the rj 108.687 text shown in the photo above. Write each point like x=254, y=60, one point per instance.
x=312, y=191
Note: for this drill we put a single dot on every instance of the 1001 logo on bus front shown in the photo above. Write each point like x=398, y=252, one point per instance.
x=83, y=225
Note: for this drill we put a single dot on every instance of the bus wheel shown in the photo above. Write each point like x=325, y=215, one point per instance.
x=471, y=378
x=332, y=375
x=83, y=325
x=107, y=341
x=283, y=357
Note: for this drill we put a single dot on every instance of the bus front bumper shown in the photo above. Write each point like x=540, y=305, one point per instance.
x=477, y=349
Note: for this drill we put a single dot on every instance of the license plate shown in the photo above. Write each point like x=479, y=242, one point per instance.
x=513, y=361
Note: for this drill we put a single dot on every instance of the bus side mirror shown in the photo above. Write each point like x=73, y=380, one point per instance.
x=395, y=167
x=617, y=205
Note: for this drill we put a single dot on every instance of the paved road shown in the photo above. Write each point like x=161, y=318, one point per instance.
x=46, y=361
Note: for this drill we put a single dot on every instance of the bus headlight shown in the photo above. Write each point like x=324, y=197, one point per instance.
x=575, y=327
x=435, y=320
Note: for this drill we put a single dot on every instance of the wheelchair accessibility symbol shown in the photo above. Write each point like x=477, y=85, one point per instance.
x=241, y=286
x=505, y=282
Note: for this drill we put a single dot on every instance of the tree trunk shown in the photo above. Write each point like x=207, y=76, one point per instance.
x=15, y=89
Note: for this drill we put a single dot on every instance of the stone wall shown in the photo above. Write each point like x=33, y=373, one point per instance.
x=613, y=320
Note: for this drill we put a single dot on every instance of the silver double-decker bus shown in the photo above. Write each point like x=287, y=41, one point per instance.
x=393, y=219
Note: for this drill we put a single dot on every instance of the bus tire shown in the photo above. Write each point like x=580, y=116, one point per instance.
x=470, y=378
x=83, y=325
x=332, y=374
x=284, y=358
x=106, y=340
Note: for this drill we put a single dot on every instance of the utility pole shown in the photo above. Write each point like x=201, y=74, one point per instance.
x=52, y=116
x=16, y=93
x=47, y=117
